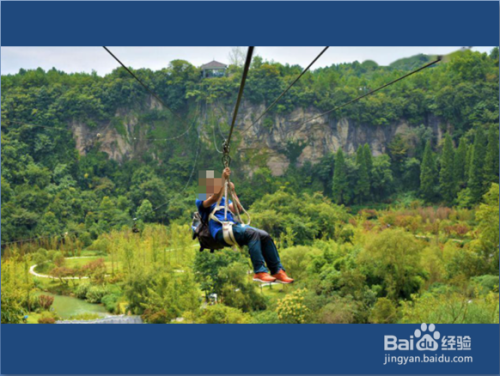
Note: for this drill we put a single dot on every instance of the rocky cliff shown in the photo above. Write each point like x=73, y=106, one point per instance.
x=125, y=138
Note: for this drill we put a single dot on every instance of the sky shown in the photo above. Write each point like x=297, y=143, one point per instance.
x=88, y=59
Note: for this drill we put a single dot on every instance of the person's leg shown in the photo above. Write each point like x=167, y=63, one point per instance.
x=269, y=251
x=246, y=235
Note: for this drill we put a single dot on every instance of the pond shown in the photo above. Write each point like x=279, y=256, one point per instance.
x=67, y=306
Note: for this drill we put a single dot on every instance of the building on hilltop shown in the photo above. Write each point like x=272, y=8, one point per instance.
x=213, y=69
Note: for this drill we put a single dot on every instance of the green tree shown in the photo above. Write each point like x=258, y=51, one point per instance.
x=340, y=185
x=447, y=180
x=145, y=211
x=369, y=160
x=476, y=170
x=363, y=181
x=491, y=158
x=393, y=258
x=488, y=225
x=291, y=309
x=428, y=174
x=460, y=163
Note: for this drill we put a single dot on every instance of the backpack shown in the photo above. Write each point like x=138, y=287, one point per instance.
x=202, y=232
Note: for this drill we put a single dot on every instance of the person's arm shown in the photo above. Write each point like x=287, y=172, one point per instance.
x=231, y=205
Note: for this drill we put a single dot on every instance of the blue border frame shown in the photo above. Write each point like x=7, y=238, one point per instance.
x=237, y=23
x=230, y=349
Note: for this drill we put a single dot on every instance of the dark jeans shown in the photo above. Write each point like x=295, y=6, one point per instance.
x=260, y=245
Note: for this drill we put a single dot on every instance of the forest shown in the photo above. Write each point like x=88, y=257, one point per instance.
x=408, y=236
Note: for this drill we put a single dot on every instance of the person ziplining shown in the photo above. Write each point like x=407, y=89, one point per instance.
x=216, y=213
x=214, y=224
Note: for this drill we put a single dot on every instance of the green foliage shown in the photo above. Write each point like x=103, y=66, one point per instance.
x=447, y=181
x=460, y=163
x=488, y=224
x=393, y=258
x=476, y=168
x=95, y=294
x=428, y=174
x=363, y=184
x=221, y=314
x=48, y=318
x=291, y=309
x=307, y=216
x=340, y=190
x=383, y=312
x=451, y=308
x=491, y=158
x=358, y=263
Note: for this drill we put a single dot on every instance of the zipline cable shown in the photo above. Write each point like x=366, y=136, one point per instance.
x=213, y=128
x=289, y=87
x=439, y=58
x=226, y=159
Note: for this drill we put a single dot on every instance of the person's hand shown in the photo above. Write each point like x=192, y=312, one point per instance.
x=231, y=185
x=226, y=173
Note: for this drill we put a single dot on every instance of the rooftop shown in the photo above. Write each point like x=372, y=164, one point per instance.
x=214, y=65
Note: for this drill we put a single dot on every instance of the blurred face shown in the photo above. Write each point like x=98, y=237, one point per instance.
x=209, y=183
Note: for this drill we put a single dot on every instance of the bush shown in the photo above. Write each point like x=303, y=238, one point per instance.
x=487, y=282
x=346, y=234
x=110, y=302
x=291, y=309
x=155, y=317
x=81, y=290
x=221, y=314
x=451, y=308
x=339, y=311
x=383, y=312
x=85, y=317
x=95, y=294
x=47, y=318
x=45, y=301
x=32, y=304
x=265, y=317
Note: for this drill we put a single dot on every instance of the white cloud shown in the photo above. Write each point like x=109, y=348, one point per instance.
x=86, y=59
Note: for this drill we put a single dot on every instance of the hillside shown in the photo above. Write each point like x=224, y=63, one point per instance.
x=105, y=140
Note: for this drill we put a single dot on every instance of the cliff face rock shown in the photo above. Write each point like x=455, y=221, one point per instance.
x=119, y=138
x=321, y=135
x=123, y=137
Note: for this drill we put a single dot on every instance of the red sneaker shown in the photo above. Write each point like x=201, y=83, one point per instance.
x=263, y=277
x=281, y=277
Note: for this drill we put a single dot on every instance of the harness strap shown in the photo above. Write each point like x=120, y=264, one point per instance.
x=227, y=226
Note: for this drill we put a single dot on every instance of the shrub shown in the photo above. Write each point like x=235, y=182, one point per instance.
x=85, y=317
x=265, y=317
x=31, y=304
x=47, y=318
x=95, y=294
x=346, y=234
x=155, y=317
x=110, y=302
x=368, y=213
x=45, y=301
x=81, y=290
x=291, y=309
x=487, y=282
x=221, y=314
x=339, y=311
x=383, y=312
x=393, y=256
x=451, y=308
